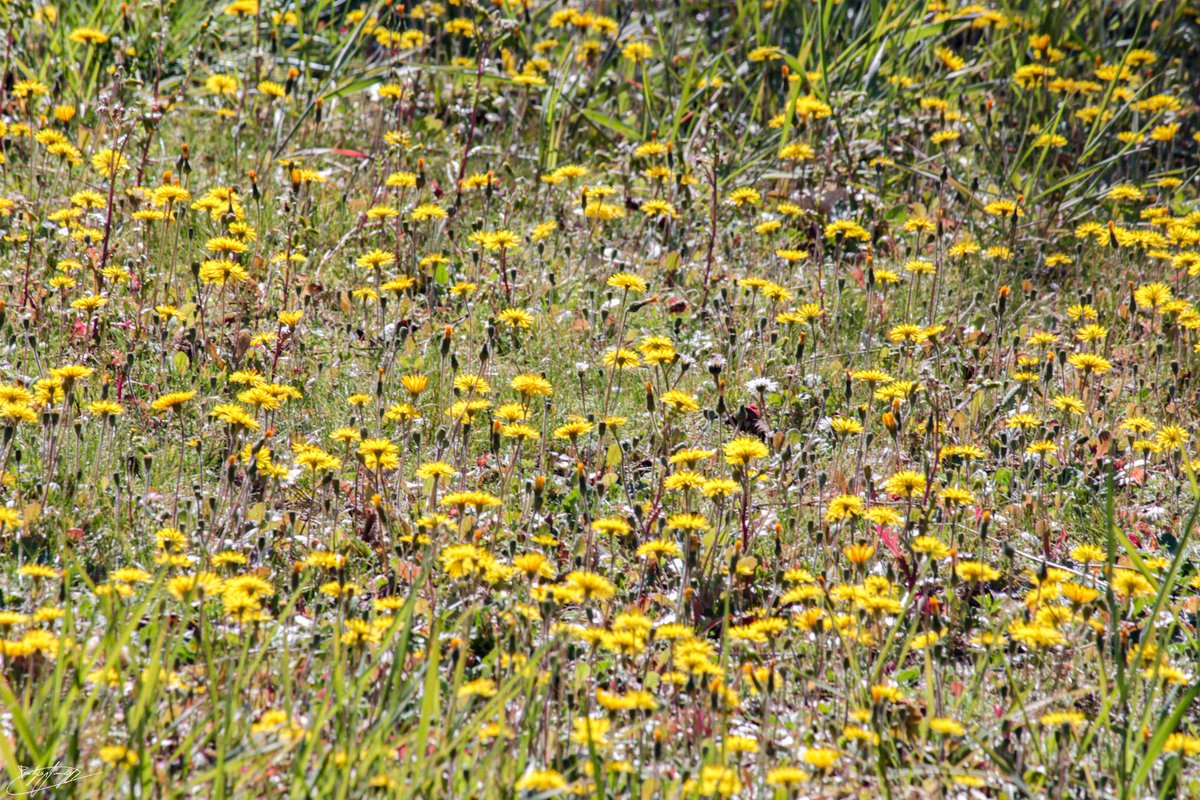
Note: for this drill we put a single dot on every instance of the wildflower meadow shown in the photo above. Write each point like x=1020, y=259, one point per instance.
x=764, y=399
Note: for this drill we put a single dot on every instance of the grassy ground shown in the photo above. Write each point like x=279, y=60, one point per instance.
x=770, y=400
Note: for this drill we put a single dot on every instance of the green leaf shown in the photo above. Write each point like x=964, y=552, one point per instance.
x=1166, y=726
x=626, y=130
x=1132, y=552
x=613, y=457
x=350, y=87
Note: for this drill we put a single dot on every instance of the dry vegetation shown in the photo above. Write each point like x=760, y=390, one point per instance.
x=531, y=399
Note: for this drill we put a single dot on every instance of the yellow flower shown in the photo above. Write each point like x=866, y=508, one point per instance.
x=744, y=449
x=846, y=229
x=375, y=259
x=846, y=506
x=379, y=454
x=680, y=402
x=745, y=196
x=659, y=548
x=109, y=162
x=234, y=415
x=221, y=272
x=821, y=758
x=1152, y=295
x=905, y=483
x=1089, y=363
x=637, y=51
x=118, y=755
x=515, y=318
x=947, y=726
x=172, y=401
x=530, y=385
x=428, y=211
x=627, y=281
x=221, y=84
x=90, y=36
x=591, y=585
x=540, y=780
x=975, y=572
